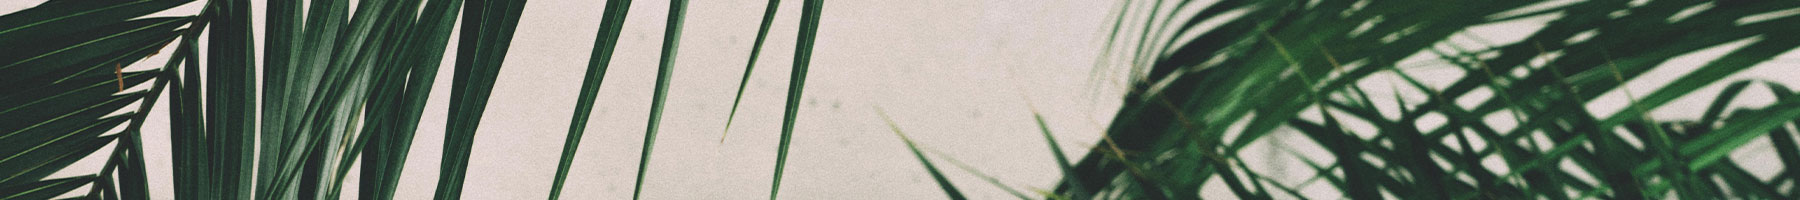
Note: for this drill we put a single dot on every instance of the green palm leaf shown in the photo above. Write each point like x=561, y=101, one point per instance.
x=671, y=40
x=809, y=30
x=943, y=183
x=755, y=49
x=612, y=21
x=63, y=69
x=488, y=29
x=340, y=86
x=1266, y=64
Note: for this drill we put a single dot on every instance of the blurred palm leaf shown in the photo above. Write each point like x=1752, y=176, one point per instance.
x=936, y=175
x=1213, y=77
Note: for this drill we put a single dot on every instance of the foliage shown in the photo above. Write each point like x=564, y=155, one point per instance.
x=1209, y=78
x=338, y=87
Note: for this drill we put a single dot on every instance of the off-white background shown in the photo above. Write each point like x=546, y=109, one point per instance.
x=956, y=75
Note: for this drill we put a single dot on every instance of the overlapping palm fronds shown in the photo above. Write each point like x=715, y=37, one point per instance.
x=1210, y=78
x=338, y=87
x=1265, y=63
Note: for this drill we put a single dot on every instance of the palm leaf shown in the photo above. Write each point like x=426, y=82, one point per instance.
x=944, y=183
x=1244, y=67
x=809, y=30
x=46, y=189
x=64, y=74
x=386, y=155
x=755, y=49
x=612, y=21
x=488, y=29
x=337, y=84
x=596, y=72
x=671, y=40
x=230, y=98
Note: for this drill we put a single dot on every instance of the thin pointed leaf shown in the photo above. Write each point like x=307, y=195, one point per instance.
x=972, y=171
x=1713, y=147
x=46, y=189
x=381, y=172
x=612, y=20
x=1717, y=108
x=1062, y=161
x=40, y=164
x=487, y=31
x=186, y=129
x=281, y=35
x=671, y=40
x=755, y=50
x=809, y=30
x=231, y=96
x=55, y=19
x=47, y=58
x=944, y=183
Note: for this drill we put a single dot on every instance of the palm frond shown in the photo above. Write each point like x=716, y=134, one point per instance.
x=340, y=85
x=64, y=72
x=1251, y=68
